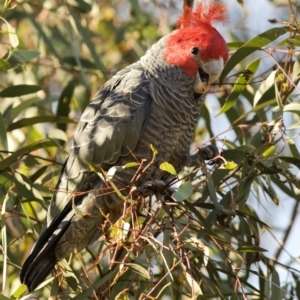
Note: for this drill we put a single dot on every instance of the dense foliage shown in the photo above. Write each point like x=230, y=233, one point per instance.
x=199, y=236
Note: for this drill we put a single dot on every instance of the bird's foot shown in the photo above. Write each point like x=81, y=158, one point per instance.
x=211, y=153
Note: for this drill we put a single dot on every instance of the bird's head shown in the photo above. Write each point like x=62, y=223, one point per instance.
x=197, y=47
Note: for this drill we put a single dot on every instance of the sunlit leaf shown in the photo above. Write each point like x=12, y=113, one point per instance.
x=250, y=249
x=153, y=149
x=19, y=291
x=266, y=150
x=251, y=46
x=130, y=165
x=165, y=166
x=264, y=87
x=230, y=165
x=296, y=67
x=13, y=38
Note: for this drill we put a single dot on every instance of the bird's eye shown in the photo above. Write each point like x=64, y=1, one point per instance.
x=195, y=50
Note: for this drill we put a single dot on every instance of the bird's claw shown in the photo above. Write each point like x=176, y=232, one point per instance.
x=211, y=153
x=151, y=185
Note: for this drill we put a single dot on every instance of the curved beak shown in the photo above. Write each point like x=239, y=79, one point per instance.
x=208, y=74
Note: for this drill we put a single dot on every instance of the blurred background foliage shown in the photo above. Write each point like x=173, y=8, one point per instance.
x=202, y=242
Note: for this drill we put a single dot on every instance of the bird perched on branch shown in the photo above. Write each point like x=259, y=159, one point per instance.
x=155, y=101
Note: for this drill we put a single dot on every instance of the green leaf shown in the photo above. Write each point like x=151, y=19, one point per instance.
x=131, y=165
x=85, y=35
x=83, y=6
x=4, y=240
x=212, y=193
x=25, y=55
x=250, y=248
x=25, y=188
x=139, y=270
x=266, y=150
x=38, y=173
x=165, y=166
x=184, y=191
x=292, y=160
x=83, y=61
x=240, y=85
x=25, y=149
x=235, y=44
x=2, y=297
x=48, y=41
x=3, y=137
x=153, y=149
x=98, y=284
x=14, y=111
x=275, y=287
x=264, y=87
x=293, y=107
x=296, y=68
x=140, y=261
x=294, y=42
x=257, y=108
x=63, y=107
x=39, y=119
x=230, y=165
x=19, y=291
x=251, y=46
x=5, y=65
x=19, y=90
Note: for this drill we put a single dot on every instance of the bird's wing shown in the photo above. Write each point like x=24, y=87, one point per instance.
x=110, y=127
x=111, y=124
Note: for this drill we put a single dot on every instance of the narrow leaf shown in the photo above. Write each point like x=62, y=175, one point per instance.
x=240, y=85
x=63, y=107
x=264, y=87
x=14, y=111
x=84, y=33
x=212, y=193
x=25, y=149
x=251, y=46
x=39, y=119
x=25, y=55
x=250, y=249
x=275, y=287
x=296, y=68
x=130, y=165
x=3, y=137
x=13, y=38
x=19, y=90
x=139, y=269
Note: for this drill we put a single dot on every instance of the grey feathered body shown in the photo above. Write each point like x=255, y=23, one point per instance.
x=148, y=102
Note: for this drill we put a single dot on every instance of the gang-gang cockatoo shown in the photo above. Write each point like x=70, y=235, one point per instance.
x=155, y=101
